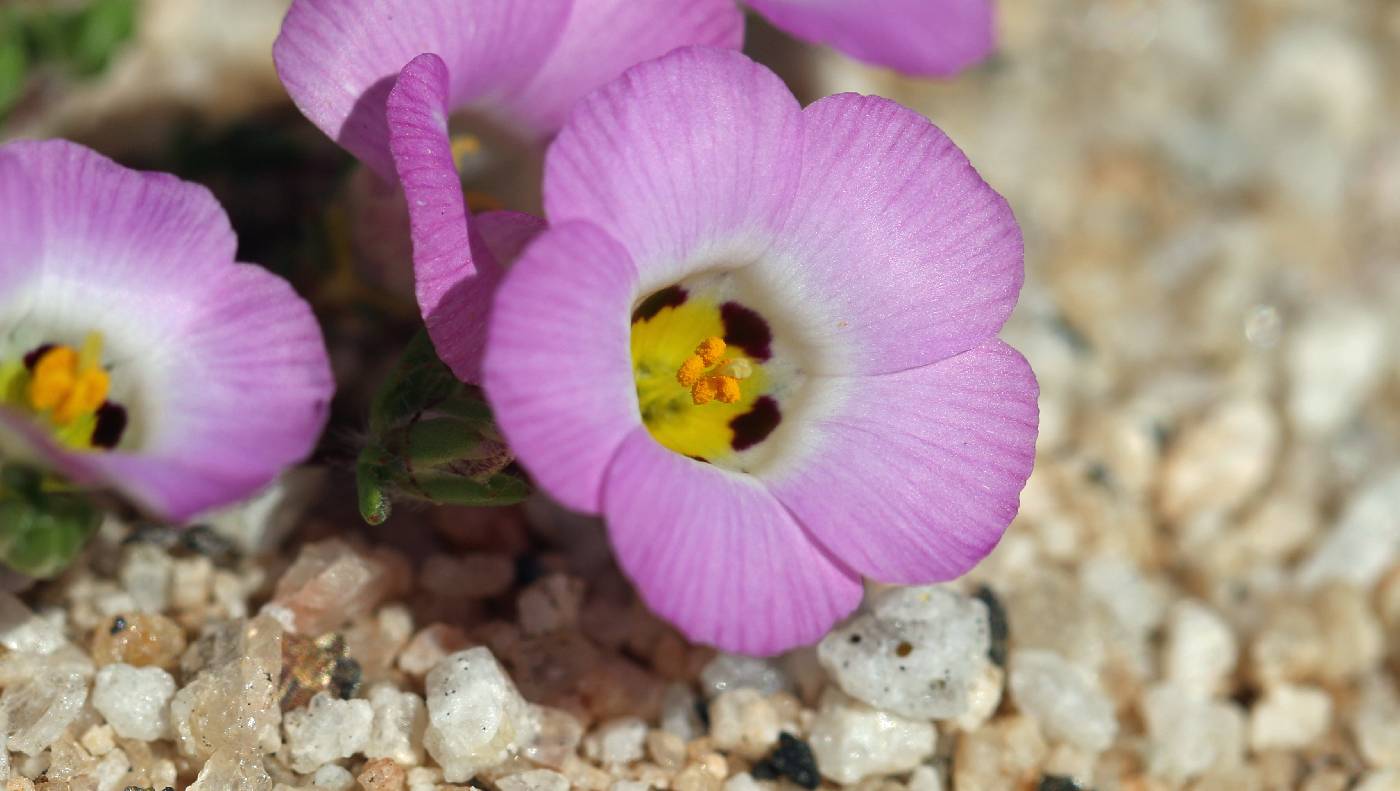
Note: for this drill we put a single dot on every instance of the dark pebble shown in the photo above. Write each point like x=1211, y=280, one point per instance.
x=793, y=759
x=996, y=620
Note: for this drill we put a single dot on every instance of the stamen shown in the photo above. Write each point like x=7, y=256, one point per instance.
x=711, y=350
x=54, y=377
x=704, y=391
x=464, y=146
x=727, y=387
x=691, y=371
x=69, y=384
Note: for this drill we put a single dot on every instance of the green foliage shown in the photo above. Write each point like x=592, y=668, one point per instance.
x=80, y=42
x=432, y=439
x=41, y=530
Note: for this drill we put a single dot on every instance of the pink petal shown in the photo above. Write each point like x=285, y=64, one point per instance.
x=506, y=234
x=914, y=479
x=930, y=37
x=339, y=58
x=685, y=160
x=901, y=251
x=453, y=279
x=714, y=553
x=604, y=38
x=558, y=368
x=225, y=363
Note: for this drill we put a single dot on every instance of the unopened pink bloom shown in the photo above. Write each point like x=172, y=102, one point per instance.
x=135, y=353
x=759, y=340
x=521, y=63
x=926, y=37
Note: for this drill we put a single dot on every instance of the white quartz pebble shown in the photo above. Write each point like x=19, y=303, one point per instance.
x=135, y=701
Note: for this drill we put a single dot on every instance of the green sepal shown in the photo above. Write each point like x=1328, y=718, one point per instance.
x=42, y=531
x=432, y=438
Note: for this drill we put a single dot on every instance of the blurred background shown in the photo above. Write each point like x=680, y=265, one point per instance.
x=1210, y=194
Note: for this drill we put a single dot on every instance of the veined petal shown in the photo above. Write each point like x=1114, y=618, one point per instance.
x=221, y=365
x=902, y=255
x=339, y=58
x=916, y=476
x=714, y=553
x=454, y=275
x=557, y=369
x=603, y=38
x=689, y=161
x=929, y=37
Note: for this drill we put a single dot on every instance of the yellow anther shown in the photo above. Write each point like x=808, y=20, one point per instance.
x=464, y=146
x=87, y=395
x=704, y=391
x=69, y=383
x=691, y=371
x=711, y=350
x=54, y=376
x=728, y=389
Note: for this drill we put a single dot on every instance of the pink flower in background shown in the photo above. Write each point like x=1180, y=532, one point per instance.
x=926, y=37
x=758, y=339
x=520, y=63
x=135, y=354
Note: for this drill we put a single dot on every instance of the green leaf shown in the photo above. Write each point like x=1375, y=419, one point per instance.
x=14, y=62
x=418, y=383
x=42, y=532
x=432, y=438
x=99, y=32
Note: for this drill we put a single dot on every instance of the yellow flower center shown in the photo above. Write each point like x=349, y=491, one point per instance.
x=696, y=400
x=66, y=390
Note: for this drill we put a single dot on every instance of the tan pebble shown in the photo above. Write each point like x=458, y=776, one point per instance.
x=696, y=778
x=19, y=784
x=666, y=749
x=139, y=640
x=788, y=707
x=716, y=765
x=382, y=774
x=651, y=775
x=698, y=747
x=429, y=646
x=99, y=739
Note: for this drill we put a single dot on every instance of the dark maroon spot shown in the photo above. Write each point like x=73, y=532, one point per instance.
x=111, y=424
x=32, y=359
x=670, y=297
x=747, y=329
x=700, y=459
x=754, y=426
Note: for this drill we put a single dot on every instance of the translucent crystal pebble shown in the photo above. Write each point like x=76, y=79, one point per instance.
x=23, y=631
x=326, y=730
x=557, y=737
x=232, y=702
x=396, y=732
x=1068, y=705
x=230, y=770
x=617, y=742
x=37, y=710
x=331, y=583
x=917, y=653
x=1189, y=734
x=853, y=741
x=731, y=671
x=333, y=778
x=476, y=718
x=135, y=701
x=534, y=780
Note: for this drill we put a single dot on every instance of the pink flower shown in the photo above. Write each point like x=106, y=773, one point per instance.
x=520, y=63
x=759, y=340
x=135, y=354
x=929, y=37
